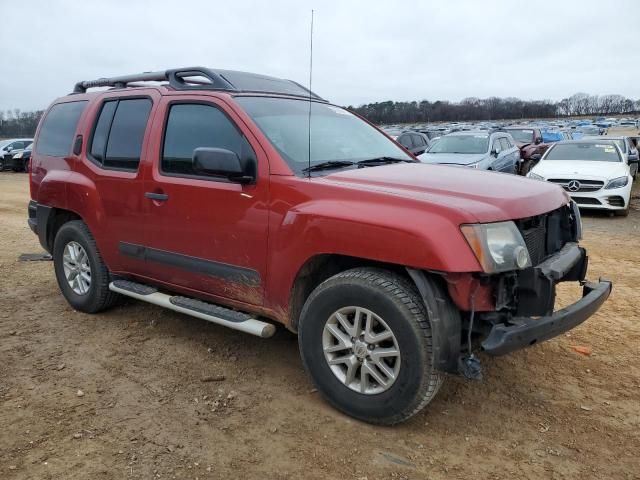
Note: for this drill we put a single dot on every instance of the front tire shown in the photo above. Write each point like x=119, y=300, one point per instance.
x=82, y=275
x=622, y=213
x=365, y=340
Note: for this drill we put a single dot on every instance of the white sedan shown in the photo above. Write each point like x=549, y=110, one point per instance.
x=594, y=173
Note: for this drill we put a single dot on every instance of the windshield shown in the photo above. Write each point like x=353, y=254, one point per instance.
x=620, y=143
x=522, y=136
x=597, y=152
x=461, y=144
x=336, y=134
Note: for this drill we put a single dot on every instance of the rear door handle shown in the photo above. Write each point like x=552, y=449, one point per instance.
x=160, y=197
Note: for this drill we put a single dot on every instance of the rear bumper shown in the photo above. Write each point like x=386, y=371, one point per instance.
x=32, y=220
x=522, y=332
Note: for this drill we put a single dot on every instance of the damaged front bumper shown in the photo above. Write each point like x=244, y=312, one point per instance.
x=521, y=331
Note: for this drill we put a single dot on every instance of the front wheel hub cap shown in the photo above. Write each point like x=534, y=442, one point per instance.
x=361, y=350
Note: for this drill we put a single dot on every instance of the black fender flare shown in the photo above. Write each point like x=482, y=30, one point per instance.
x=444, y=316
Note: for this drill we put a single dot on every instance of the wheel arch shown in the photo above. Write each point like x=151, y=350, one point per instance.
x=319, y=268
x=443, y=314
x=52, y=219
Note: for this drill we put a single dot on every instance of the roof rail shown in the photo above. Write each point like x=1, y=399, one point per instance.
x=201, y=78
x=176, y=78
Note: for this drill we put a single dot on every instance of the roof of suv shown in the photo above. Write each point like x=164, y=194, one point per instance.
x=202, y=78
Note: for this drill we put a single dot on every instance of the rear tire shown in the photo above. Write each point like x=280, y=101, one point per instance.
x=82, y=275
x=403, y=361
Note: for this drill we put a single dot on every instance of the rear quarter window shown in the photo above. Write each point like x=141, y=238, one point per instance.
x=58, y=128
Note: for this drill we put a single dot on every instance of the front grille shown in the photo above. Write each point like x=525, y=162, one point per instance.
x=545, y=234
x=571, y=185
x=586, y=200
x=616, y=201
x=534, y=238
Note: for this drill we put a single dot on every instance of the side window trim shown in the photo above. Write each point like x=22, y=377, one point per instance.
x=165, y=123
x=117, y=100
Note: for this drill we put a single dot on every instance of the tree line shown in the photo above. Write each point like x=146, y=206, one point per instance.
x=495, y=108
x=15, y=123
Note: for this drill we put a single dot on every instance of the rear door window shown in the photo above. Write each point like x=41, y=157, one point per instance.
x=58, y=128
x=119, y=133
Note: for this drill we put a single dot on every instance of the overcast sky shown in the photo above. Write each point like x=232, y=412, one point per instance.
x=363, y=50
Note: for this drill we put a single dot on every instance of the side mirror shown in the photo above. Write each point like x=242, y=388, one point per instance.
x=220, y=162
x=495, y=152
x=9, y=148
x=538, y=141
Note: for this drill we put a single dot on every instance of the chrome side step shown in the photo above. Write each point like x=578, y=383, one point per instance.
x=196, y=308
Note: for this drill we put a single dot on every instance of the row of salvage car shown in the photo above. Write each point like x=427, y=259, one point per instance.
x=597, y=171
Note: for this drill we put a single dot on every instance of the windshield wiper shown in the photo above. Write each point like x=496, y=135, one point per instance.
x=328, y=165
x=380, y=161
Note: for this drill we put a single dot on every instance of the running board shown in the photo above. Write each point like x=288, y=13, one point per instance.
x=196, y=308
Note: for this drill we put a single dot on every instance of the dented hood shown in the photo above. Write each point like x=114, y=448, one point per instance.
x=480, y=196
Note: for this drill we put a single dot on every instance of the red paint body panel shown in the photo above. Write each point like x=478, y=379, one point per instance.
x=403, y=214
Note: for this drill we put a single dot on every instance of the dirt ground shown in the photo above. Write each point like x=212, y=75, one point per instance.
x=134, y=392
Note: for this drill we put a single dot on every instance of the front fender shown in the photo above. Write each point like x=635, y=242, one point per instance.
x=368, y=230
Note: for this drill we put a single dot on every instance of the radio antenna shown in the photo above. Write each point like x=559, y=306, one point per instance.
x=310, y=85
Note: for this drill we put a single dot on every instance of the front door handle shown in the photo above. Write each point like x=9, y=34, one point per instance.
x=160, y=197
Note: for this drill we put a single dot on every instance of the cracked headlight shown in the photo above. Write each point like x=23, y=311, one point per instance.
x=499, y=247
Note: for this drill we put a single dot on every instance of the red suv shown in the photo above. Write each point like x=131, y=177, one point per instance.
x=248, y=200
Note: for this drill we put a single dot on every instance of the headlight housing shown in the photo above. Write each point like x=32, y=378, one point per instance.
x=617, y=183
x=18, y=155
x=535, y=176
x=499, y=247
x=474, y=165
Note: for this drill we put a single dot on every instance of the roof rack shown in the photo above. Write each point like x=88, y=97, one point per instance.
x=201, y=78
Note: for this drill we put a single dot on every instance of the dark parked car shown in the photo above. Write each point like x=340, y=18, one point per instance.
x=417, y=143
x=20, y=161
x=8, y=148
x=482, y=150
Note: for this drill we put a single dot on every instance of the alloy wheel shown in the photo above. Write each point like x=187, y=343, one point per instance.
x=361, y=350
